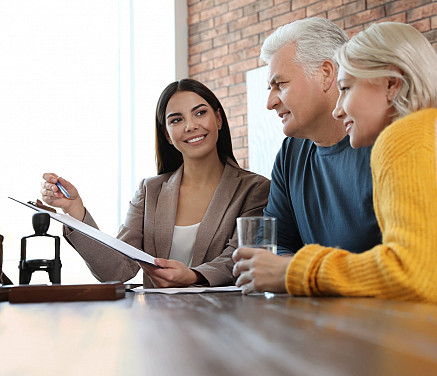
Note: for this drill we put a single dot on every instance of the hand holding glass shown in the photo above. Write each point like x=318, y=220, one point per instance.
x=257, y=232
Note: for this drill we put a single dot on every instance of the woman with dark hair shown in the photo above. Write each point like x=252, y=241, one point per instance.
x=186, y=216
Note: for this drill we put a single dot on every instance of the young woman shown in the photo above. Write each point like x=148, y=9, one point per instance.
x=185, y=216
x=388, y=97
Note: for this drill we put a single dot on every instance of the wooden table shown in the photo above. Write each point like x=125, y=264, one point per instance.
x=219, y=334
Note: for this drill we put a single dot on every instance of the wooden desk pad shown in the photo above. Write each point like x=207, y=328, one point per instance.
x=62, y=293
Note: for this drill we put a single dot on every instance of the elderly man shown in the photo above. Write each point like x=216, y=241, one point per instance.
x=321, y=190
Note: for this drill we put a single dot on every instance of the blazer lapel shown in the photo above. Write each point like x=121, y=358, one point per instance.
x=214, y=214
x=165, y=217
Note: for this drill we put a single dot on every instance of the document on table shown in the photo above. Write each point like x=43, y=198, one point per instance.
x=188, y=290
x=114, y=243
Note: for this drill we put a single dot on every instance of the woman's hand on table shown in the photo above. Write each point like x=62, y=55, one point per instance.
x=171, y=273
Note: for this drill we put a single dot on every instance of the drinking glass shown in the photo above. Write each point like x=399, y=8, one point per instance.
x=257, y=232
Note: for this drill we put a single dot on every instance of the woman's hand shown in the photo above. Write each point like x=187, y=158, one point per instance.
x=171, y=274
x=259, y=270
x=54, y=197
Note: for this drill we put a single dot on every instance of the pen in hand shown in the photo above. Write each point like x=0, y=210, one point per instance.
x=62, y=189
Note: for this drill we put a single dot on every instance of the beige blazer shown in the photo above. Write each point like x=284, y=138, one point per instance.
x=151, y=219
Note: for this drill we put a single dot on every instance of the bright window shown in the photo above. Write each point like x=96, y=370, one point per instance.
x=79, y=82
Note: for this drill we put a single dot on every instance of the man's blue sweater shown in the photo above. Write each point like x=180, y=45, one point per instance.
x=323, y=195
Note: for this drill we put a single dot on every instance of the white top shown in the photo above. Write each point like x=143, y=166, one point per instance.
x=183, y=242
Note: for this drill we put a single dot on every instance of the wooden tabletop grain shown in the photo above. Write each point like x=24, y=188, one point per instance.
x=219, y=334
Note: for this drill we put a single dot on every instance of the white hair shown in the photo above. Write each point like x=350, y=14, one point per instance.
x=385, y=48
x=316, y=40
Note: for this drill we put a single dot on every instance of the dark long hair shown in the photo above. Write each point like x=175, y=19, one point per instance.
x=168, y=158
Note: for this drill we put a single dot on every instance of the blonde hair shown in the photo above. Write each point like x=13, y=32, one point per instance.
x=316, y=40
x=384, y=48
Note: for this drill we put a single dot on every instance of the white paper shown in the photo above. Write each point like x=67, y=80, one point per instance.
x=188, y=290
x=114, y=243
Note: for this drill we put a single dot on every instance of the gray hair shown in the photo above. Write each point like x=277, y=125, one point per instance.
x=316, y=40
x=382, y=49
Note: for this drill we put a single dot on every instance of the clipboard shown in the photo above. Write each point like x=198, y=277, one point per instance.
x=111, y=242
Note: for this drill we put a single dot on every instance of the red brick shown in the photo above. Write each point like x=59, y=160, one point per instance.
x=363, y=17
x=227, y=38
x=198, y=68
x=400, y=17
x=193, y=19
x=243, y=163
x=211, y=84
x=228, y=17
x=214, y=32
x=237, y=89
x=221, y=93
x=282, y=1
x=257, y=6
x=243, y=22
x=287, y=18
x=235, y=4
x=215, y=52
x=431, y=36
x=194, y=39
x=197, y=77
x=243, y=44
x=230, y=80
x=237, y=121
x=229, y=59
x=213, y=12
x=422, y=12
x=434, y=22
x=347, y=10
x=322, y=7
x=253, y=52
x=238, y=110
x=275, y=11
x=339, y=23
x=296, y=4
x=375, y=3
x=258, y=28
x=243, y=66
x=201, y=26
x=234, y=101
x=241, y=153
x=354, y=30
x=201, y=5
x=422, y=25
x=239, y=131
x=193, y=59
x=238, y=143
x=403, y=5
x=199, y=47
x=218, y=72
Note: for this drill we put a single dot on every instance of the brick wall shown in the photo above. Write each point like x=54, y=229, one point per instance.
x=225, y=37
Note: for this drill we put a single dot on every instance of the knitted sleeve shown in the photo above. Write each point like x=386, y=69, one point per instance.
x=405, y=198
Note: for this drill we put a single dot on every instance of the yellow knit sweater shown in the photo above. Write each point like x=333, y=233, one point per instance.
x=404, y=266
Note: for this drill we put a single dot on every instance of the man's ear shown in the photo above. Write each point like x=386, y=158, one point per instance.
x=328, y=73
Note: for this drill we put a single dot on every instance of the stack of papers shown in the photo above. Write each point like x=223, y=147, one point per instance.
x=188, y=290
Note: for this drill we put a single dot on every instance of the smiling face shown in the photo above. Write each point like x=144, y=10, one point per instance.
x=364, y=106
x=298, y=100
x=192, y=125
